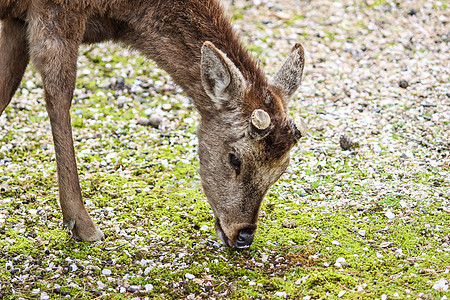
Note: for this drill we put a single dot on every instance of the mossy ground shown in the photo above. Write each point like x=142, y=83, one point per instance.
x=385, y=214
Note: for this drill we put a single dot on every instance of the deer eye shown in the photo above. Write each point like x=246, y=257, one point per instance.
x=235, y=163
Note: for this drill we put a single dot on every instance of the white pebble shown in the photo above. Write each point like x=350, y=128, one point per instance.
x=44, y=296
x=390, y=215
x=148, y=287
x=204, y=228
x=383, y=297
x=106, y=272
x=166, y=106
x=335, y=243
x=376, y=148
x=281, y=294
x=148, y=111
x=362, y=232
x=340, y=262
x=441, y=285
x=100, y=284
x=189, y=276
x=73, y=267
x=341, y=293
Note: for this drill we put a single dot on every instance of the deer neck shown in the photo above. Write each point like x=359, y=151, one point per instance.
x=174, y=38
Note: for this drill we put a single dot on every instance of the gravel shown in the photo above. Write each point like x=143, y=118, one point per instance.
x=375, y=96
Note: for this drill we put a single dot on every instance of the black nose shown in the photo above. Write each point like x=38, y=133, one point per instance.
x=244, y=238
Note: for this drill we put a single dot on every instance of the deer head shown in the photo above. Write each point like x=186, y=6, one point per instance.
x=245, y=140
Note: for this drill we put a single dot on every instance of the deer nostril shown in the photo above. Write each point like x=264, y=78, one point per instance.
x=244, y=238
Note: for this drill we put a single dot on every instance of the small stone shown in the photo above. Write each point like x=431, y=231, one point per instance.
x=155, y=121
x=281, y=294
x=379, y=255
x=341, y=262
x=399, y=253
x=143, y=121
x=412, y=12
x=441, y=285
x=403, y=84
x=148, y=111
x=106, y=272
x=132, y=289
x=166, y=106
x=189, y=276
x=390, y=215
x=383, y=297
x=148, y=287
x=335, y=243
x=376, y=148
x=121, y=101
x=14, y=271
x=189, y=120
x=100, y=284
x=204, y=228
x=341, y=293
x=362, y=232
x=289, y=223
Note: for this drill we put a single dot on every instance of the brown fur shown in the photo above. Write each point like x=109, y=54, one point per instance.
x=194, y=42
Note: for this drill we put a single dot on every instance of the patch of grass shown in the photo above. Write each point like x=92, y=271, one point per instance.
x=142, y=188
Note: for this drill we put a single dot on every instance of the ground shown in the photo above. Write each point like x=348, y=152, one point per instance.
x=362, y=213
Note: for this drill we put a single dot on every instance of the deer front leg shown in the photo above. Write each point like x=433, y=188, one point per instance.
x=13, y=58
x=54, y=51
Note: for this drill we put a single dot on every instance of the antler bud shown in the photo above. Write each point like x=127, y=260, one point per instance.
x=260, y=119
x=260, y=124
x=300, y=128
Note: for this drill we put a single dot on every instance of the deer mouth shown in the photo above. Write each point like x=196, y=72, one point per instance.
x=243, y=241
x=222, y=236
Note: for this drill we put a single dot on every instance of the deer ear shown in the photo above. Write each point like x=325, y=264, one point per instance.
x=221, y=79
x=289, y=76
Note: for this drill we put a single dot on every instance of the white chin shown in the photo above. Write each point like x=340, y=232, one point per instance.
x=224, y=239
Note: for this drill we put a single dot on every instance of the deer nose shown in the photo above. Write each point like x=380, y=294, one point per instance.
x=244, y=238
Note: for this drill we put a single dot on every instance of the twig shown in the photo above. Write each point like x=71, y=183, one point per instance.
x=113, y=249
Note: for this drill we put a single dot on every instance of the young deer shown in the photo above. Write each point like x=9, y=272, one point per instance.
x=245, y=135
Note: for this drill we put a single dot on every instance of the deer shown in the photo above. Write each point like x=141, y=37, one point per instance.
x=245, y=133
